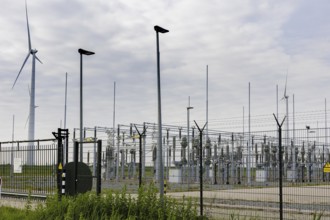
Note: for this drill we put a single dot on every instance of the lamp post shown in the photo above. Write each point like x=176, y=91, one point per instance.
x=87, y=53
x=159, y=142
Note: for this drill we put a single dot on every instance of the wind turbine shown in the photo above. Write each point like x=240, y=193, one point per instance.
x=30, y=157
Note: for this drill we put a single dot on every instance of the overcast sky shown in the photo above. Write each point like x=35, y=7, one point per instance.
x=240, y=41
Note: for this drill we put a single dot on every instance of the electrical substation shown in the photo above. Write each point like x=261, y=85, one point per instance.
x=225, y=156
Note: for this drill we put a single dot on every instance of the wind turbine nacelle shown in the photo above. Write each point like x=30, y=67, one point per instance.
x=33, y=51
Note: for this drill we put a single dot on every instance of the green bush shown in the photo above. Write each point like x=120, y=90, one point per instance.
x=116, y=205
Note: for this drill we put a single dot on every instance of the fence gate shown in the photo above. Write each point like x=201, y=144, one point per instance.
x=31, y=167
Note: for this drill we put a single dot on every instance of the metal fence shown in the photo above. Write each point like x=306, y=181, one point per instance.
x=240, y=170
x=240, y=175
x=28, y=167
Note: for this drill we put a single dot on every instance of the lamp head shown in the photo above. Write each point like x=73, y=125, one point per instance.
x=160, y=29
x=85, y=52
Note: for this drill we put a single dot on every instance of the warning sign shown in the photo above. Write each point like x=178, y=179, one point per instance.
x=326, y=168
x=60, y=166
x=17, y=165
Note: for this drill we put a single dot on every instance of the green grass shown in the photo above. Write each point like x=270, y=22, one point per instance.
x=28, y=170
x=10, y=213
x=317, y=216
x=118, y=206
x=110, y=205
x=34, y=177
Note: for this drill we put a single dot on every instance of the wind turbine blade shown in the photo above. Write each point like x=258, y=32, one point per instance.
x=27, y=57
x=28, y=118
x=286, y=80
x=28, y=28
x=38, y=59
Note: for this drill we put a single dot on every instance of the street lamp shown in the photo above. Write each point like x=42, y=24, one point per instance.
x=309, y=131
x=307, y=128
x=87, y=53
x=159, y=142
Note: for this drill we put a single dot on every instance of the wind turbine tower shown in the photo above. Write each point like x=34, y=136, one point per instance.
x=30, y=154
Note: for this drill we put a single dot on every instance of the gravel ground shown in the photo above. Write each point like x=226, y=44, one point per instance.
x=298, y=202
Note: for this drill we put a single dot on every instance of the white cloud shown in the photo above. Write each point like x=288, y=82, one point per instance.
x=241, y=41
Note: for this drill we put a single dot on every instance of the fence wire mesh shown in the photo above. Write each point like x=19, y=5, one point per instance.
x=240, y=170
x=28, y=167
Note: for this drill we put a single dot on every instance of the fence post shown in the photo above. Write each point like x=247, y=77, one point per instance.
x=75, y=175
x=280, y=157
x=140, y=152
x=98, y=175
x=63, y=182
x=66, y=146
x=201, y=170
x=200, y=167
x=0, y=186
x=59, y=163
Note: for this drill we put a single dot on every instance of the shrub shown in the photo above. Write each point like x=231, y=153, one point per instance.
x=116, y=205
